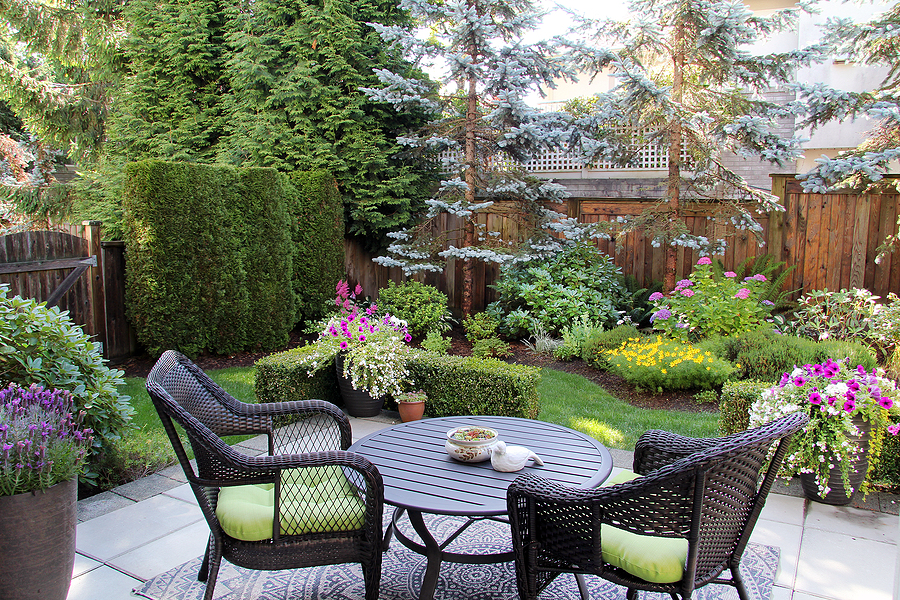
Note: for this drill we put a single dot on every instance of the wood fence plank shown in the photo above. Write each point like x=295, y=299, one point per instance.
x=872, y=237
x=859, y=242
x=835, y=239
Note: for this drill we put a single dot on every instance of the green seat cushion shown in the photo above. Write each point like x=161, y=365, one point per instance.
x=654, y=559
x=313, y=500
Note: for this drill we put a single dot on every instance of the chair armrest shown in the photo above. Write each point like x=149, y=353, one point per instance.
x=656, y=448
x=305, y=435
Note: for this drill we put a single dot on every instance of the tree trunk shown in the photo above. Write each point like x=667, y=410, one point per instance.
x=468, y=270
x=674, y=161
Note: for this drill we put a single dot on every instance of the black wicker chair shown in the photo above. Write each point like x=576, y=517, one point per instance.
x=307, y=466
x=702, y=495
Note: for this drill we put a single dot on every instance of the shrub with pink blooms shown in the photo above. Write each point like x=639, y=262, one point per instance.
x=374, y=346
x=706, y=305
x=832, y=394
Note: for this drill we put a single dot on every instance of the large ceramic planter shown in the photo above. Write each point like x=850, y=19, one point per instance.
x=37, y=553
x=359, y=403
x=837, y=495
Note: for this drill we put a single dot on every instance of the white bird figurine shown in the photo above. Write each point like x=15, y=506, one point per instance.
x=511, y=458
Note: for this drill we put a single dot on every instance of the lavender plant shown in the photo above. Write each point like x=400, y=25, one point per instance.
x=42, y=442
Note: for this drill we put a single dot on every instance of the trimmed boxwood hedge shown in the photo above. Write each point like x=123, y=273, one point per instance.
x=456, y=385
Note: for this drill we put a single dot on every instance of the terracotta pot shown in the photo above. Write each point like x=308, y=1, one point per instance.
x=359, y=403
x=38, y=550
x=411, y=411
x=837, y=495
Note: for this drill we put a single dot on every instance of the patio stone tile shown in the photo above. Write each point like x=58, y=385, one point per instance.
x=836, y=565
x=855, y=522
x=146, y=487
x=165, y=553
x=624, y=459
x=127, y=528
x=83, y=564
x=781, y=593
x=788, y=539
x=254, y=446
x=175, y=472
x=889, y=503
x=182, y=492
x=103, y=583
x=101, y=504
x=784, y=509
x=363, y=427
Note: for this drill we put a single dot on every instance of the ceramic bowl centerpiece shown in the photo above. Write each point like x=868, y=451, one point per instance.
x=470, y=443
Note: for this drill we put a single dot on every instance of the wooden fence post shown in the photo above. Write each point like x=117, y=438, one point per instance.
x=95, y=283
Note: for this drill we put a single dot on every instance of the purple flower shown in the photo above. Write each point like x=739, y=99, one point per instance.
x=849, y=405
x=815, y=398
x=730, y=274
x=663, y=313
x=687, y=293
x=656, y=296
x=760, y=277
x=831, y=400
x=344, y=346
x=685, y=283
x=853, y=385
x=799, y=380
x=742, y=294
x=885, y=402
x=768, y=303
x=704, y=260
x=362, y=338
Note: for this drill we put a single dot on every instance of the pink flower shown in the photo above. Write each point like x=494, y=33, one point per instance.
x=894, y=429
x=815, y=398
x=730, y=274
x=687, y=293
x=799, y=380
x=344, y=345
x=362, y=338
x=656, y=296
x=760, y=277
x=358, y=290
x=742, y=293
x=704, y=260
x=885, y=402
x=685, y=283
x=849, y=405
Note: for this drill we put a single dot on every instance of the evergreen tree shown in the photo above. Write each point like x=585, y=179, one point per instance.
x=872, y=43
x=295, y=68
x=483, y=121
x=688, y=82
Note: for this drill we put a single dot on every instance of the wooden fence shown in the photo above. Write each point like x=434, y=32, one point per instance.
x=72, y=269
x=832, y=238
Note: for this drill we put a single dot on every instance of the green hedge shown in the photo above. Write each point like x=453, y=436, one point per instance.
x=318, y=241
x=209, y=257
x=282, y=377
x=456, y=385
x=464, y=385
x=735, y=401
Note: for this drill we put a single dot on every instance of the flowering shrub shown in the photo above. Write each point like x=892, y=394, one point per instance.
x=833, y=394
x=659, y=364
x=374, y=347
x=704, y=305
x=40, y=438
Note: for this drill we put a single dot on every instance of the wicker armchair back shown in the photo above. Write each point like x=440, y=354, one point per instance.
x=706, y=491
x=313, y=439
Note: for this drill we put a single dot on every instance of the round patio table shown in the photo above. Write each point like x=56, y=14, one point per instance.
x=420, y=477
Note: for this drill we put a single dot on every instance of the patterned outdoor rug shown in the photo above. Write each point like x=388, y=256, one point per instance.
x=402, y=572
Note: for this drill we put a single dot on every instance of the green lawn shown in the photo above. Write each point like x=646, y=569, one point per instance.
x=566, y=399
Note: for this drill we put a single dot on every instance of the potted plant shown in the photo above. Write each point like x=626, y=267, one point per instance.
x=42, y=448
x=848, y=411
x=369, y=351
x=411, y=405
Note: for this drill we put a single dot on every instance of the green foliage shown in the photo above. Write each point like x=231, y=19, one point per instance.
x=765, y=354
x=423, y=307
x=636, y=306
x=888, y=468
x=490, y=347
x=577, y=281
x=41, y=345
x=480, y=326
x=209, y=257
x=140, y=453
x=282, y=376
x=772, y=289
x=574, y=337
x=317, y=237
x=706, y=396
x=735, y=401
x=435, y=342
x=595, y=347
x=301, y=65
x=706, y=305
x=660, y=364
x=460, y=385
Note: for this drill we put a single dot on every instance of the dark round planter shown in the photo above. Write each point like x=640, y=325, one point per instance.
x=837, y=495
x=38, y=550
x=359, y=403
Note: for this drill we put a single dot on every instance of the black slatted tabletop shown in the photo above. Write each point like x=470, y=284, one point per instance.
x=419, y=475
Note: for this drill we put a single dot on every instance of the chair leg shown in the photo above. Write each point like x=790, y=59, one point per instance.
x=204, y=568
x=372, y=579
x=215, y=560
x=582, y=586
x=739, y=583
x=631, y=594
